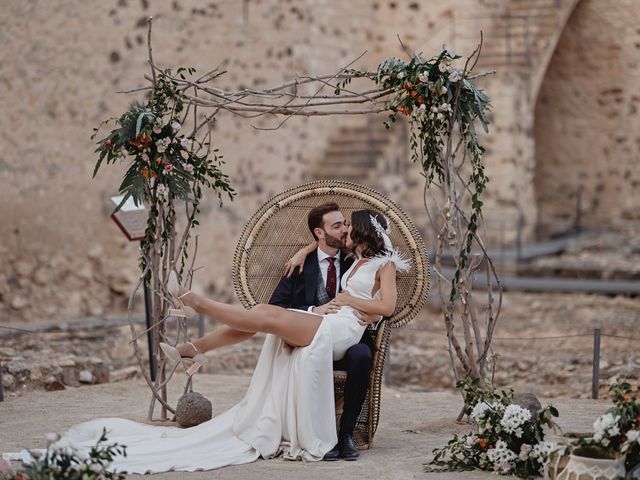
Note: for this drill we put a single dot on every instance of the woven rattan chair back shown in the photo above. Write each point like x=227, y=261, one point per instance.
x=279, y=228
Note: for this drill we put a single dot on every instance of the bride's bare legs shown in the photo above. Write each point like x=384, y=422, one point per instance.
x=220, y=337
x=295, y=328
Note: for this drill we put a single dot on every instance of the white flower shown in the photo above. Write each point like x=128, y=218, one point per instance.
x=185, y=143
x=605, y=425
x=423, y=107
x=541, y=451
x=514, y=418
x=479, y=410
x=162, y=192
x=445, y=107
x=157, y=126
x=439, y=116
x=443, y=90
x=525, y=448
x=455, y=76
x=51, y=437
x=97, y=468
x=187, y=167
x=162, y=144
x=442, y=67
x=434, y=109
x=501, y=456
x=633, y=436
x=175, y=126
x=5, y=466
x=471, y=440
x=144, y=157
x=401, y=75
x=424, y=76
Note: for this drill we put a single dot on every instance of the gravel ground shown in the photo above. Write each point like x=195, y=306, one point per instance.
x=411, y=425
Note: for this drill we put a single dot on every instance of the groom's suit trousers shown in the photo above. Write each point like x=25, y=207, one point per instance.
x=357, y=364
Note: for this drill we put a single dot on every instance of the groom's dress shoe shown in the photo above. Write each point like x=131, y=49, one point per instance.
x=348, y=450
x=333, y=454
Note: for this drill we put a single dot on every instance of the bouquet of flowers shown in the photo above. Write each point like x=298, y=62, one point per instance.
x=164, y=164
x=509, y=439
x=617, y=432
x=60, y=462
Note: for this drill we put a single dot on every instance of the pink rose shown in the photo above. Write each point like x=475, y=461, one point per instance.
x=5, y=466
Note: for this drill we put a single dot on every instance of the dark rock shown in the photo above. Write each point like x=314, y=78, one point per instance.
x=528, y=401
x=8, y=381
x=52, y=384
x=100, y=373
x=70, y=376
x=193, y=409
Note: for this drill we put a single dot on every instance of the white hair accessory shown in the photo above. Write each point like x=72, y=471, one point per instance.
x=382, y=233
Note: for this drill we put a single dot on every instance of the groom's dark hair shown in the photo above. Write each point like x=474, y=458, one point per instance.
x=314, y=219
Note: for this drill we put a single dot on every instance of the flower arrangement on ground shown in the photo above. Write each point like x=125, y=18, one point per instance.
x=509, y=439
x=62, y=462
x=616, y=433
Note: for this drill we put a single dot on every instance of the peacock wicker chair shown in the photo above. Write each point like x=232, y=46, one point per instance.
x=279, y=228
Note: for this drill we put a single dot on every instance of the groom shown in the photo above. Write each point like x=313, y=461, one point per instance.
x=312, y=290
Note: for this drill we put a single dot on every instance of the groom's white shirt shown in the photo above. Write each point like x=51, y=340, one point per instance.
x=324, y=265
x=324, y=268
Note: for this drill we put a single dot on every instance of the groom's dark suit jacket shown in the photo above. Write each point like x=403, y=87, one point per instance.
x=299, y=290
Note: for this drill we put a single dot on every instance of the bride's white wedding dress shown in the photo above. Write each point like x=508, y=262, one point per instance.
x=288, y=409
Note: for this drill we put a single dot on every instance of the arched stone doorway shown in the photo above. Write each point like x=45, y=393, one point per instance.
x=587, y=119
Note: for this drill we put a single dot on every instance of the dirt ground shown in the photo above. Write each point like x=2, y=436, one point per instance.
x=411, y=425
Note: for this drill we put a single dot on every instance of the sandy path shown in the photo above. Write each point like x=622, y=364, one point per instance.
x=412, y=424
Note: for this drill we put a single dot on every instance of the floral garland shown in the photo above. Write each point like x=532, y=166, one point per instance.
x=166, y=165
x=436, y=97
x=508, y=441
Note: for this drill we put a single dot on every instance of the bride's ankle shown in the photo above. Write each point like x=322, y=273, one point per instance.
x=188, y=350
x=187, y=297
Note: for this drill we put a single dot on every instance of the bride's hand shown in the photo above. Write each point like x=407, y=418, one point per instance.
x=343, y=298
x=298, y=259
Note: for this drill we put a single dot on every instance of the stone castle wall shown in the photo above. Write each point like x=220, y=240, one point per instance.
x=587, y=119
x=62, y=62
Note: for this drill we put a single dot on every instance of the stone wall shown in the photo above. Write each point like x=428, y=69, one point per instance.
x=587, y=119
x=62, y=62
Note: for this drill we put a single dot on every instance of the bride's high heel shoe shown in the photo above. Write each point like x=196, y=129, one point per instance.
x=173, y=287
x=197, y=361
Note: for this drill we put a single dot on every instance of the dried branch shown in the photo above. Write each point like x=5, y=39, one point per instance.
x=153, y=70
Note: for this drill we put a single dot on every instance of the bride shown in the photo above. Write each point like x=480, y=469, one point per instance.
x=289, y=407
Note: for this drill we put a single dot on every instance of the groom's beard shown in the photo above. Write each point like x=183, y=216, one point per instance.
x=335, y=242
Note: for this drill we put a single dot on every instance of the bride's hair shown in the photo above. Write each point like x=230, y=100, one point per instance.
x=364, y=233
